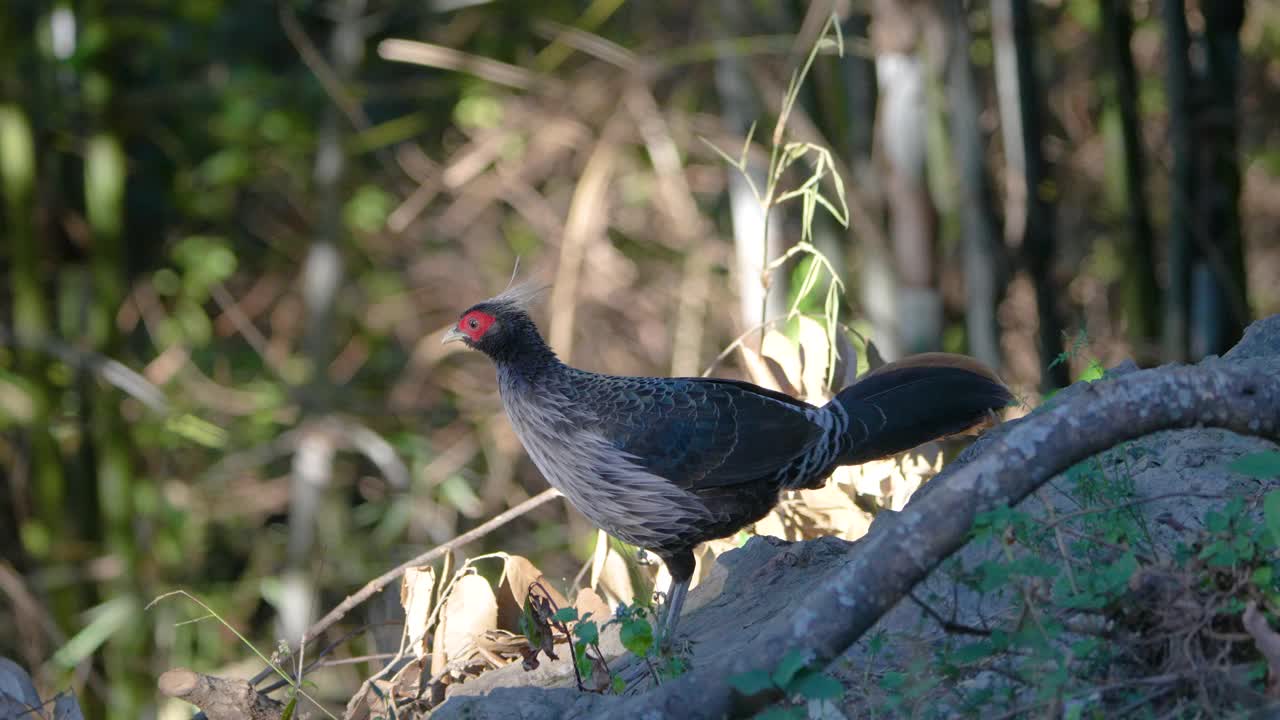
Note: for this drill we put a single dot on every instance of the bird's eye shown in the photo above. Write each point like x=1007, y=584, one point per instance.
x=473, y=324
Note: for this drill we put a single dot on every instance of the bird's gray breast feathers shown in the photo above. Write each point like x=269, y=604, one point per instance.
x=603, y=483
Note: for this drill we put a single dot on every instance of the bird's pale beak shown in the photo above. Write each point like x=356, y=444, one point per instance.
x=452, y=335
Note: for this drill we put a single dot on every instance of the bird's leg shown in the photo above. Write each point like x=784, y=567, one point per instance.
x=680, y=565
x=671, y=613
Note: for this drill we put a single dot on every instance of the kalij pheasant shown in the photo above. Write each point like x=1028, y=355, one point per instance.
x=667, y=463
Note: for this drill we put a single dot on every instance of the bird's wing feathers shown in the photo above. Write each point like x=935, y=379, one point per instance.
x=704, y=432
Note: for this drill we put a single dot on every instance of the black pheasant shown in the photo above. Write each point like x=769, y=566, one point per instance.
x=668, y=463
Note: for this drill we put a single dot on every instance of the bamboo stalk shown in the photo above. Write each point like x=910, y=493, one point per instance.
x=1030, y=218
x=104, y=188
x=1182, y=184
x=31, y=321
x=1141, y=293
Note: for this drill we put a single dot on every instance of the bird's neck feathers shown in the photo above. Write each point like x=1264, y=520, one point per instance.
x=523, y=351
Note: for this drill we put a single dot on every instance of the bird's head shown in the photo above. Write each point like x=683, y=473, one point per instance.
x=500, y=327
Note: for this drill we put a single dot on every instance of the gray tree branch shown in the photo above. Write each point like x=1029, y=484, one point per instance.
x=902, y=549
x=219, y=698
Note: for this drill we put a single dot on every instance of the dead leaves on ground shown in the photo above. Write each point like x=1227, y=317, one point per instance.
x=464, y=627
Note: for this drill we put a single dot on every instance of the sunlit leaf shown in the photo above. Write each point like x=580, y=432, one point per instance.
x=636, y=636
x=566, y=614
x=417, y=590
x=793, y=662
x=815, y=686
x=751, y=683
x=105, y=621
x=1258, y=465
x=469, y=609
x=587, y=631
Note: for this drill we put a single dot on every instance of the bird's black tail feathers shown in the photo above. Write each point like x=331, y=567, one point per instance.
x=920, y=398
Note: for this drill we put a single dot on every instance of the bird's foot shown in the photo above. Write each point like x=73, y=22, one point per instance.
x=673, y=657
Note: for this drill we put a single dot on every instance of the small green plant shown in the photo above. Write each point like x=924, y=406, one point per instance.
x=1079, y=345
x=783, y=155
x=797, y=678
x=635, y=631
x=295, y=685
x=1097, y=619
x=586, y=637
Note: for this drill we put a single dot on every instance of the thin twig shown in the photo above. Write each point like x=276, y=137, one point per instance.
x=444, y=58
x=110, y=370
x=1060, y=540
x=317, y=661
x=243, y=325
x=1053, y=523
x=333, y=84
x=945, y=624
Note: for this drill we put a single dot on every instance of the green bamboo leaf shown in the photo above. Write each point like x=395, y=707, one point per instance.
x=746, y=144
x=806, y=285
x=723, y=155
x=841, y=217
x=199, y=431
x=108, y=618
x=17, y=152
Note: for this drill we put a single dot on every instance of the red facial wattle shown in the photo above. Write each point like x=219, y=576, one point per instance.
x=475, y=324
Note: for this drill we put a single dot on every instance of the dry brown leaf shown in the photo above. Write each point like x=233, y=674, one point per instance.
x=846, y=372
x=709, y=574
x=783, y=351
x=495, y=648
x=600, y=678
x=892, y=481
x=705, y=558
x=598, y=557
x=765, y=373
x=539, y=627
x=518, y=574
x=774, y=524
x=815, y=351
x=589, y=601
x=839, y=514
x=417, y=589
x=378, y=698
x=469, y=610
x=807, y=514
x=613, y=579
x=865, y=479
x=662, y=580
x=874, y=359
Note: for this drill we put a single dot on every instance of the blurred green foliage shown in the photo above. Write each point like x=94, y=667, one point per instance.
x=160, y=163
